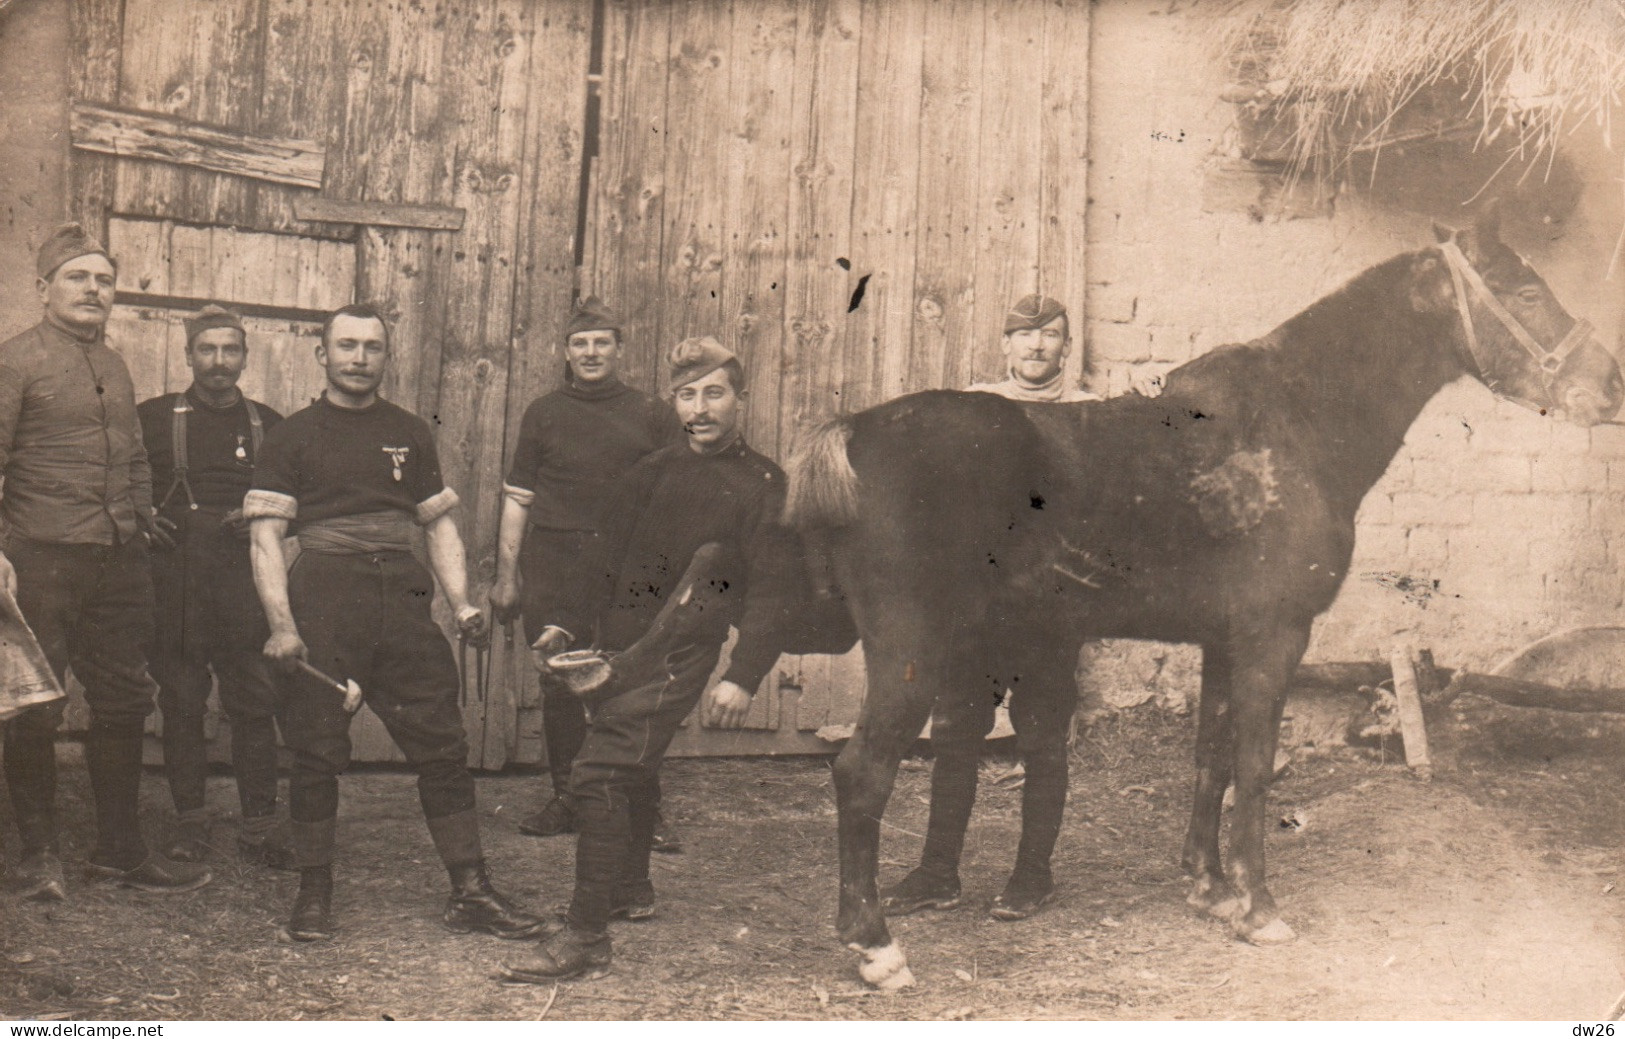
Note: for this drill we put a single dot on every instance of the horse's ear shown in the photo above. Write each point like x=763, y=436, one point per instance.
x=1487, y=228
x=1441, y=233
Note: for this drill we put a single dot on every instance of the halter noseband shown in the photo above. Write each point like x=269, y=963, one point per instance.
x=1550, y=361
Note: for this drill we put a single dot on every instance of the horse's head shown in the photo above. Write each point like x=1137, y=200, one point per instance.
x=1512, y=333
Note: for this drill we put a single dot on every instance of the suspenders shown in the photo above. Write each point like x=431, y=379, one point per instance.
x=177, y=445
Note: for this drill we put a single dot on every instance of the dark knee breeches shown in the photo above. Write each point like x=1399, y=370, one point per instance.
x=210, y=626
x=366, y=617
x=615, y=781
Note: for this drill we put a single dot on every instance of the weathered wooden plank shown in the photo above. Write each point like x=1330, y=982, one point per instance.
x=146, y=135
x=950, y=116
x=1007, y=177
x=96, y=28
x=142, y=337
x=697, y=97
x=306, y=60
x=560, y=48
x=1064, y=167
x=190, y=249
x=761, y=56
x=227, y=74
x=821, y=165
x=633, y=194
x=142, y=249
x=491, y=146
x=884, y=202
x=379, y=214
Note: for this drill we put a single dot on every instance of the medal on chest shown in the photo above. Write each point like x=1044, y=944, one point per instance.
x=242, y=448
x=397, y=456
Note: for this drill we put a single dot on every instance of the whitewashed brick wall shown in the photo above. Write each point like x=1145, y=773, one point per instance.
x=1520, y=521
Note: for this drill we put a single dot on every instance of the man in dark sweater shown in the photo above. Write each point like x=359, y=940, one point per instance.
x=574, y=443
x=202, y=444
x=711, y=492
x=353, y=474
x=77, y=509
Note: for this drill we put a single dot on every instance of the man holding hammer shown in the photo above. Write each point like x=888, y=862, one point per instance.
x=352, y=474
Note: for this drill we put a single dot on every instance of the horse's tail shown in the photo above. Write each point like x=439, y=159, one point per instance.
x=823, y=489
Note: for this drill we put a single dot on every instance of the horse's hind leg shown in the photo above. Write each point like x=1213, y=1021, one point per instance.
x=899, y=699
x=1258, y=692
x=1210, y=893
x=1044, y=697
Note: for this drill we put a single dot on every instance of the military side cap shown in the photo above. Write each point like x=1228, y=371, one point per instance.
x=1033, y=311
x=212, y=316
x=67, y=242
x=693, y=359
x=590, y=315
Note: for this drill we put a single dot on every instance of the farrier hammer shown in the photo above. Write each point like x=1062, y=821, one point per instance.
x=351, y=691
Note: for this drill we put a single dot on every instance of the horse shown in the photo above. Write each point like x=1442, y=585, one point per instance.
x=979, y=541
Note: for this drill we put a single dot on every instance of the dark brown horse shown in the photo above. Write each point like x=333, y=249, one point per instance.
x=979, y=541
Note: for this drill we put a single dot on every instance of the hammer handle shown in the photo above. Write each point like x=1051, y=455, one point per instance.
x=304, y=665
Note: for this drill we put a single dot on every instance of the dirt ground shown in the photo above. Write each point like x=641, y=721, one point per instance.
x=1492, y=893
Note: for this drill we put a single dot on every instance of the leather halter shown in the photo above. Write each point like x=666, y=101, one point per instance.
x=1549, y=361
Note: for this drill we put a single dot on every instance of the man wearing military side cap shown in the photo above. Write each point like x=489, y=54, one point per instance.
x=1037, y=341
x=203, y=443
x=77, y=507
x=712, y=499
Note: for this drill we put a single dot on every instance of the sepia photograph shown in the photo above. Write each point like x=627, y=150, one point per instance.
x=812, y=510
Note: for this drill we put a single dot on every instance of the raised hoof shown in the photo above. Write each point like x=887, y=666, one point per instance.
x=1276, y=932
x=884, y=968
x=920, y=890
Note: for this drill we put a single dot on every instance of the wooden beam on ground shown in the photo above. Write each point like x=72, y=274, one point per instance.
x=151, y=135
x=379, y=214
x=1517, y=692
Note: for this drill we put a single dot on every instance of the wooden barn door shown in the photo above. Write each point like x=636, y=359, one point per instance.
x=288, y=155
x=849, y=193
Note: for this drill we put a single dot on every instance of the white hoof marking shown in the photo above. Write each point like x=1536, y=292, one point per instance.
x=885, y=967
x=1276, y=932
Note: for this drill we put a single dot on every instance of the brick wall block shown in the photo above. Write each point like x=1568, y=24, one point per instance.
x=1570, y=471
x=1425, y=508
x=1113, y=342
x=1113, y=302
x=1544, y=512
x=1428, y=548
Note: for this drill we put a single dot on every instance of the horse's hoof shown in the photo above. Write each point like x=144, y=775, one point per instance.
x=1215, y=904
x=1276, y=932
x=885, y=967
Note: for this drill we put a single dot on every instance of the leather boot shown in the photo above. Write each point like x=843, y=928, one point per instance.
x=37, y=877
x=311, y=918
x=555, y=819
x=475, y=905
x=567, y=954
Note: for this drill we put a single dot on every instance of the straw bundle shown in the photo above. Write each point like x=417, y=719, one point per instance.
x=1343, y=74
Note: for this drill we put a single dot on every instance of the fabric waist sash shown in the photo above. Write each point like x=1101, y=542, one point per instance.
x=363, y=533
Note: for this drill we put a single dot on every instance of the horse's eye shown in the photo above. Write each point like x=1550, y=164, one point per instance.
x=1530, y=294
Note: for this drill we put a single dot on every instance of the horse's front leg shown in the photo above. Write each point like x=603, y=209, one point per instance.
x=893, y=712
x=1211, y=894
x=1260, y=676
